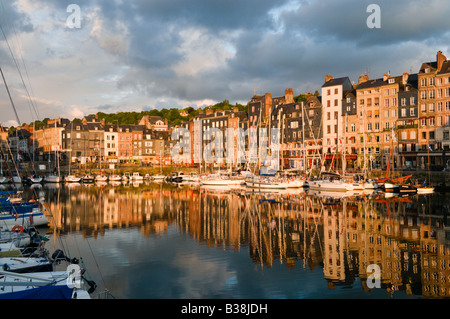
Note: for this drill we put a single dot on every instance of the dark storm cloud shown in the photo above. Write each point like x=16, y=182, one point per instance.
x=346, y=20
x=181, y=51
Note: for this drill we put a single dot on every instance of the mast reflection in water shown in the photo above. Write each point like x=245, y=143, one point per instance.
x=158, y=241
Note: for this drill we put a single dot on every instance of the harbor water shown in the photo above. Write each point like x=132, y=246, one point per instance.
x=160, y=241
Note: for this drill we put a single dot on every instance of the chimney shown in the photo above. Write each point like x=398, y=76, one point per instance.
x=166, y=121
x=328, y=77
x=386, y=76
x=440, y=58
x=405, y=78
x=363, y=78
x=289, y=96
x=209, y=112
x=235, y=109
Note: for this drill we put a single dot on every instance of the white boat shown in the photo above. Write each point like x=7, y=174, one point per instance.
x=19, y=239
x=4, y=180
x=296, y=183
x=72, y=179
x=425, y=190
x=115, y=178
x=35, y=179
x=35, y=217
x=101, y=178
x=87, y=178
x=215, y=182
x=51, y=178
x=369, y=184
x=126, y=176
x=158, y=177
x=333, y=185
x=390, y=187
x=17, y=179
x=26, y=264
x=137, y=177
x=265, y=183
x=45, y=285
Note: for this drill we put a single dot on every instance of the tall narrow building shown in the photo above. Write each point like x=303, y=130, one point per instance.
x=332, y=95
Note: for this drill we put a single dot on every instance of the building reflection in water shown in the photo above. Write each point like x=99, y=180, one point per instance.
x=408, y=238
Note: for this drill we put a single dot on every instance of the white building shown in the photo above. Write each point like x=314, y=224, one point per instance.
x=332, y=96
x=111, y=142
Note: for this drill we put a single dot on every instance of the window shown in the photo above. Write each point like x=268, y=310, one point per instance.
x=412, y=101
x=423, y=107
x=403, y=101
x=424, y=95
x=431, y=94
x=403, y=112
x=423, y=82
x=412, y=112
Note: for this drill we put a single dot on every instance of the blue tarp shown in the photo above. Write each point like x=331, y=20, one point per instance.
x=45, y=292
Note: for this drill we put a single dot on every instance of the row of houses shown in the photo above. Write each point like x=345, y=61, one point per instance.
x=398, y=121
x=91, y=140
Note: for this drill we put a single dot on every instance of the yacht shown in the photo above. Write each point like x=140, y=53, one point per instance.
x=72, y=179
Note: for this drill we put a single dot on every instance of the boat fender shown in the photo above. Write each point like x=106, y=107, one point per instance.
x=6, y=267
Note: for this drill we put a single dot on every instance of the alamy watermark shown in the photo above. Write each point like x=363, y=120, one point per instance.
x=374, y=279
x=374, y=19
x=73, y=21
x=74, y=276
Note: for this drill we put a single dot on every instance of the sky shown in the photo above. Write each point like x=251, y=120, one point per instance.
x=139, y=55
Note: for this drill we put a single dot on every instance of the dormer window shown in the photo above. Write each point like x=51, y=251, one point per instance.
x=391, y=81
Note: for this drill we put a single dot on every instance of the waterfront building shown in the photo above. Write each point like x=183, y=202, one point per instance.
x=20, y=144
x=95, y=142
x=407, y=123
x=156, y=123
x=125, y=142
x=137, y=131
x=368, y=97
x=48, y=139
x=75, y=137
x=154, y=145
x=332, y=95
x=111, y=142
x=349, y=124
x=434, y=111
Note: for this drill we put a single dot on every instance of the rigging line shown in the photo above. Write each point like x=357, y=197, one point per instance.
x=10, y=98
x=22, y=59
x=15, y=62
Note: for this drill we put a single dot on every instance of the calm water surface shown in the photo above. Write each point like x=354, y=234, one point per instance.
x=151, y=241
